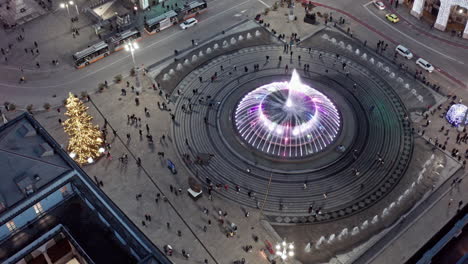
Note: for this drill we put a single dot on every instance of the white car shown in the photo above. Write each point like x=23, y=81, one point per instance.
x=425, y=65
x=379, y=4
x=188, y=23
x=403, y=51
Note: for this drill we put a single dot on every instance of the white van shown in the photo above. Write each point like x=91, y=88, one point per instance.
x=404, y=52
x=425, y=65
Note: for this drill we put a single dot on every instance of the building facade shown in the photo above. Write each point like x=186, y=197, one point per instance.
x=446, y=11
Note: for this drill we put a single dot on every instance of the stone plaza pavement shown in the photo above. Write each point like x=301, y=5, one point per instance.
x=123, y=182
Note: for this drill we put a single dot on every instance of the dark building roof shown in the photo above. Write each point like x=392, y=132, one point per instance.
x=36, y=165
x=28, y=161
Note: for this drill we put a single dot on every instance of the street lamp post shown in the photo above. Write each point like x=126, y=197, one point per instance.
x=132, y=46
x=65, y=5
x=285, y=250
x=76, y=7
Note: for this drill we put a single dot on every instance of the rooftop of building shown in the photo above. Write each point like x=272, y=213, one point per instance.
x=83, y=227
x=29, y=156
x=28, y=161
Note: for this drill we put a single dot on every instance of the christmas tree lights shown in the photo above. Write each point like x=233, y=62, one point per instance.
x=85, y=139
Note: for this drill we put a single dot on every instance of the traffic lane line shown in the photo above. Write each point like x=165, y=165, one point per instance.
x=406, y=36
x=93, y=72
x=455, y=80
x=265, y=4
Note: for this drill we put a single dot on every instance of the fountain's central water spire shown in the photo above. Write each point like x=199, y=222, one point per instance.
x=287, y=119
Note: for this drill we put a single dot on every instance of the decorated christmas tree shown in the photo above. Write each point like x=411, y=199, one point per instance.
x=85, y=139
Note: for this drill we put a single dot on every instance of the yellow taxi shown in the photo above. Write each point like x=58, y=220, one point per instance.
x=392, y=18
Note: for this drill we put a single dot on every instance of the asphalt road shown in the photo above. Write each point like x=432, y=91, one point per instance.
x=450, y=60
x=42, y=86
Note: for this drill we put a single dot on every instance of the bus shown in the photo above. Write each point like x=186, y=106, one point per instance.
x=193, y=9
x=161, y=22
x=118, y=41
x=91, y=54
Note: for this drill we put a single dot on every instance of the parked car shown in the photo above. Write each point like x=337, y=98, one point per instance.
x=425, y=65
x=188, y=23
x=403, y=51
x=379, y=4
x=392, y=18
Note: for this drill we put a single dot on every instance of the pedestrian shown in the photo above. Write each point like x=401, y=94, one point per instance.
x=168, y=225
x=38, y=65
x=204, y=228
x=143, y=223
x=35, y=44
x=179, y=233
x=138, y=162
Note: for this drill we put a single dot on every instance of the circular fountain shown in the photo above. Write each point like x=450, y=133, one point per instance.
x=287, y=119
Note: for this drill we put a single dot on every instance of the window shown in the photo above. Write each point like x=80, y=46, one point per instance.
x=11, y=226
x=38, y=208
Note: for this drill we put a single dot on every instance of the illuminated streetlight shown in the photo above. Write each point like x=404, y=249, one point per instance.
x=69, y=3
x=76, y=7
x=90, y=160
x=285, y=250
x=101, y=150
x=65, y=5
x=132, y=46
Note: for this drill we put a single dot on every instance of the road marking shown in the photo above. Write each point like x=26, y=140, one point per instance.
x=367, y=4
x=404, y=34
x=243, y=11
x=265, y=4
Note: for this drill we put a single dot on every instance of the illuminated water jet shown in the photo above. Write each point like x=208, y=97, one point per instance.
x=287, y=119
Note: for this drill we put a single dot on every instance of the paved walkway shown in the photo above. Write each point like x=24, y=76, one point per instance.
x=122, y=182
